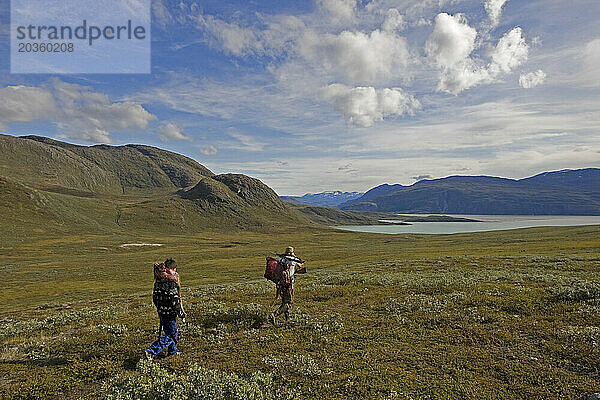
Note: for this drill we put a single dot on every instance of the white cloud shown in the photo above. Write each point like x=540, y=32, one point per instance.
x=337, y=11
x=422, y=22
x=357, y=45
x=451, y=41
x=78, y=111
x=393, y=21
x=590, y=63
x=312, y=57
x=90, y=116
x=592, y=53
x=133, y=8
x=574, y=66
x=231, y=37
x=356, y=57
x=80, y=131
x=531, y=161
x=494, y=10
x=243, y=141
x=25, y=104
x=171, y=131
x=209, y=150
x=161, y=13
x=510, y=52
x=166, y=13
x=482, y=128
x=463, y=76
x=363, y=106
x=451, y=47
x=247, y=100
x=369, y=51
x=532, y=79
x=275, y=38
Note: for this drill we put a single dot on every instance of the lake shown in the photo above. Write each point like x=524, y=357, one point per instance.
x=489, y=223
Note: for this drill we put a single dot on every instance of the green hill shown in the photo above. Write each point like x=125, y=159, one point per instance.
x=52, y=186
x=98, y=169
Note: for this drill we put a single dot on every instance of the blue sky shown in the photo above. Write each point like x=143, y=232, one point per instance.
x=341, y=94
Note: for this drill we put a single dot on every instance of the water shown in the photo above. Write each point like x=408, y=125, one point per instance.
x=489, y=223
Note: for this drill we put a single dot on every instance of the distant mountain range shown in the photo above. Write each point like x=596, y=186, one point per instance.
x=324, y=199
x=566, y=192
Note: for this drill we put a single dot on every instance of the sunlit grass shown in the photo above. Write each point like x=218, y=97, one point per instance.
x=502, y=315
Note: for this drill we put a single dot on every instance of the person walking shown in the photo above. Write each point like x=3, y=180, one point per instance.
x=166, y=296
x=292, y=265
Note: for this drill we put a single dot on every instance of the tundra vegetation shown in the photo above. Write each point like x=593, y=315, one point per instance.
x=506, y=315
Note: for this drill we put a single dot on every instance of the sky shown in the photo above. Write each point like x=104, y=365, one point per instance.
x=310, y=96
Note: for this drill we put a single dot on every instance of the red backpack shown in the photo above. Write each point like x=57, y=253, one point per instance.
x=275, y=270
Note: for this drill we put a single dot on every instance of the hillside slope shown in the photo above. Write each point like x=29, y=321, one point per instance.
x=99, y=169
x=52, y=186
x=568, y=192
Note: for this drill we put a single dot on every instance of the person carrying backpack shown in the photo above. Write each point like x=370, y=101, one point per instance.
x=166, y=296
x=291, y=265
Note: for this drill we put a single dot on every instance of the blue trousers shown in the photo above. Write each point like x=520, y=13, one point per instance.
x=169, y=339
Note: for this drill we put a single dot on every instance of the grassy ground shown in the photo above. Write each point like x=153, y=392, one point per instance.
x=498, y=315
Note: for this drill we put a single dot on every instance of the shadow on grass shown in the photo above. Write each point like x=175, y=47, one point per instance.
x=242, y=315
x=41, y=362
x=131, y=360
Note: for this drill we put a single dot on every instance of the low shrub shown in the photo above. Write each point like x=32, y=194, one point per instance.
x=578, y=291
x=153, y=382
x=296, y=364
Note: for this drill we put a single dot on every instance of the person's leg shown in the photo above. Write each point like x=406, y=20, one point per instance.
x=289, y=299
x=282, y=308
x=163, y=341
x=159, y=345
x=170, y=327
x=286, y=301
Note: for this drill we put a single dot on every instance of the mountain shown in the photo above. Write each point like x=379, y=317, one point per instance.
x=51, y=186
x=566, y=192
x=45, y=163
x=324, y=199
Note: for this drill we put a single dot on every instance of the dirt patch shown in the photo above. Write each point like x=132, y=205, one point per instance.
x=127, y=245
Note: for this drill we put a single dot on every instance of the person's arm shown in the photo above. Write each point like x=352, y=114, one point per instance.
x=277, y=291
x=300, y=269
x=182, y=313
x=182, y=310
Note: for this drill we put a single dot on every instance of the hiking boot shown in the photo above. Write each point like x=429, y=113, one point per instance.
x=149, y=356
x=272, y=319
x=286, y=315
x=177, y=353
